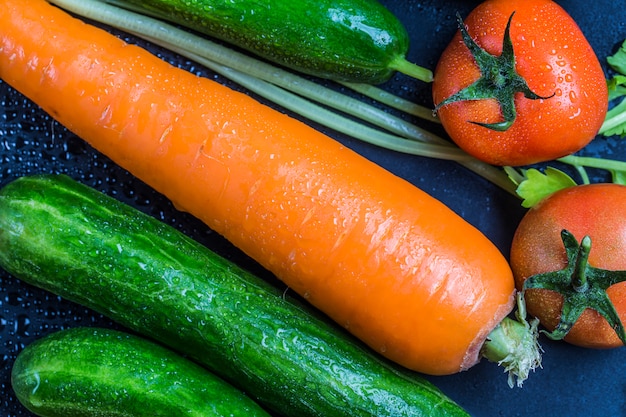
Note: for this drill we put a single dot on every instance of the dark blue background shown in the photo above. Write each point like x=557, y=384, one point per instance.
x=573, y=381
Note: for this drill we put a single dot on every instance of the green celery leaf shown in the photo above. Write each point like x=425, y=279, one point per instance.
x=613, y=124
x=617, y=61
x=617, y=87
x=537, y=185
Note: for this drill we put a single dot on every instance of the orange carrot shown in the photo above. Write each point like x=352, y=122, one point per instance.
x=391, y=264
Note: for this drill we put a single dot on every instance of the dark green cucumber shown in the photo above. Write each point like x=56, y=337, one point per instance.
x=78, y=243
x=346, y=40
x=101, y=372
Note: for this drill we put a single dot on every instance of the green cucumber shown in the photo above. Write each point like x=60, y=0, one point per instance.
x=78, y=243
x=346, y=40
x=101, y=372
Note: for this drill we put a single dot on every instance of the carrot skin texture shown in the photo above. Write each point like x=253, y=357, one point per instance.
x=393, y=265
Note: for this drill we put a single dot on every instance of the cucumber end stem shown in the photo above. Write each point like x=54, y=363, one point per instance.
x=404, y=66
x=514, y=345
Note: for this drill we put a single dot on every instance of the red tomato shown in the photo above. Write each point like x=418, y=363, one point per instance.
x=597, y=211
x=554, y=59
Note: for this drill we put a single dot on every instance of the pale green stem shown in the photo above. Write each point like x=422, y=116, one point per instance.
x=333, y=120
x=613, y=122
x=590, y=162
x=515, y=176
x=393, y=101
x=579, y=162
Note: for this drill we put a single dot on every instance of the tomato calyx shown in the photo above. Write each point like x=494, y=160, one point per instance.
x=582, y=286
x=499, y=80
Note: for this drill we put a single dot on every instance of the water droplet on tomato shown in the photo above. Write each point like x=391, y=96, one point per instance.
x=573, y=96
x=576, y=113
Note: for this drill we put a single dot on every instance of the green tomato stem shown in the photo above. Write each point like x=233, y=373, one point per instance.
x=579, y=277
x=582, y=287
x=499, y=79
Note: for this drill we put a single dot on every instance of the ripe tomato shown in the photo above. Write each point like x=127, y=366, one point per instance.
x=597, y=211
x=552, y=60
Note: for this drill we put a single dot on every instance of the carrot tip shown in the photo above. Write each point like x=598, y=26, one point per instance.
x=514, y=345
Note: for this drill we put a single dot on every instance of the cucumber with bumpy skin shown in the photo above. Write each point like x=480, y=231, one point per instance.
x=87, y=247
x=101, y=372
x=347, y=40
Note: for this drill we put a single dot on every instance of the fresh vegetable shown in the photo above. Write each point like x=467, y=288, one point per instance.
x=391, y=264
x=520, y=84
x=288, y=90
x=569, y=257
x=101, y=372
x=347, y=40
x=535, y=184
x=615, y=122
x=87, y=247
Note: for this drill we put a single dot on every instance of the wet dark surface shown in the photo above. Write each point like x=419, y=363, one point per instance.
x=572, y=382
